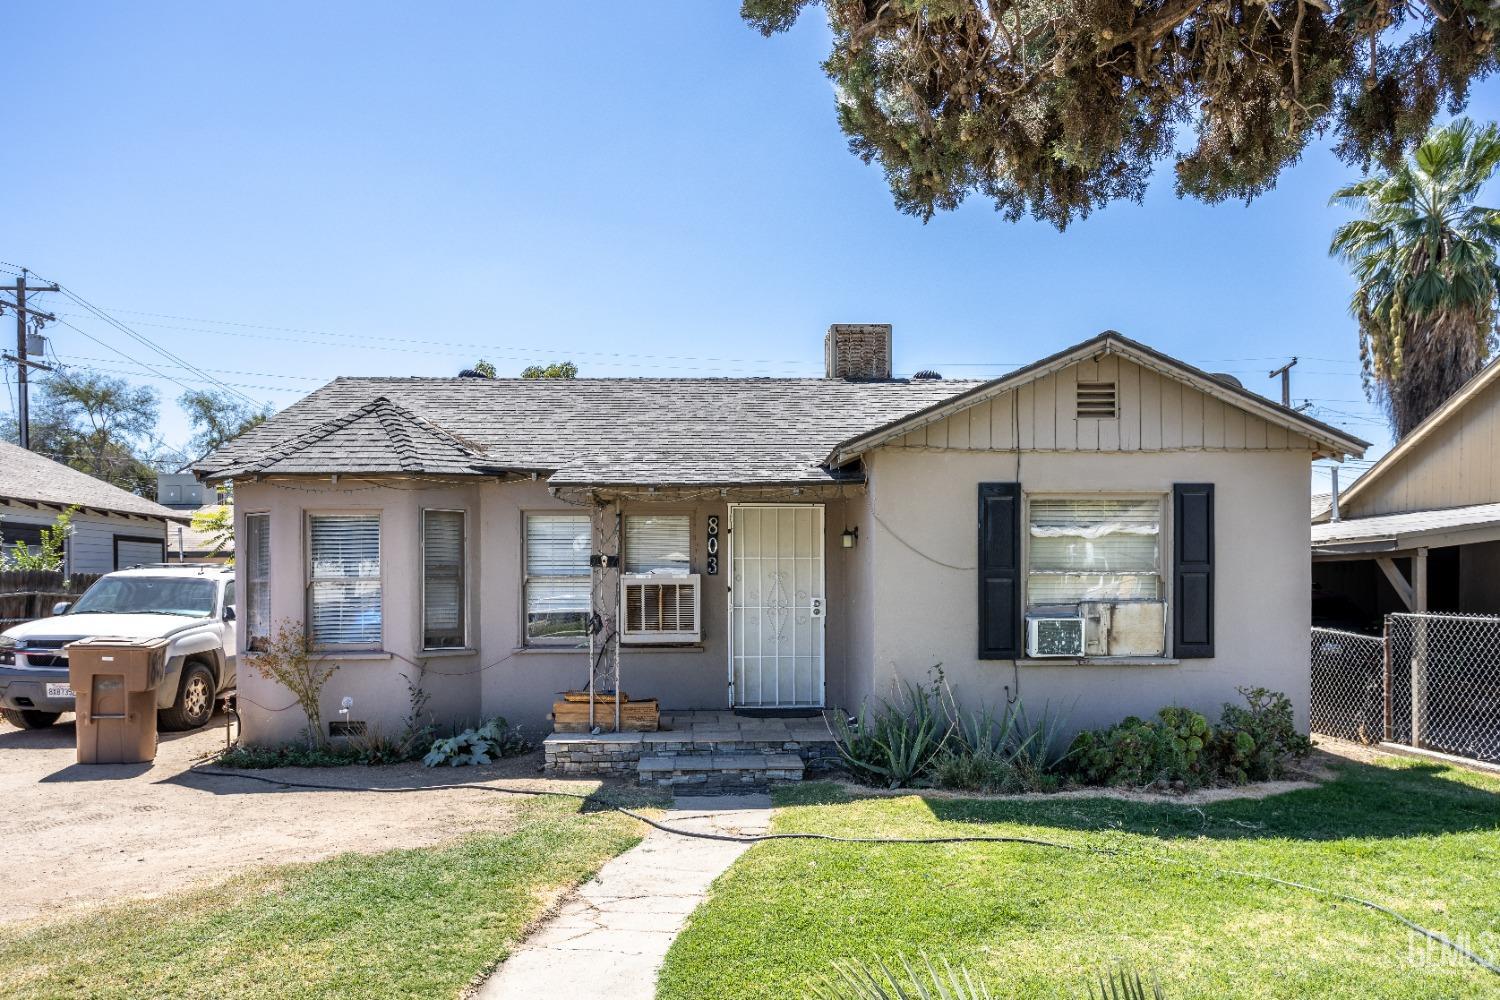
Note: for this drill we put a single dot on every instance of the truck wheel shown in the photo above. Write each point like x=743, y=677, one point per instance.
x=28, y=718
x=195, y=701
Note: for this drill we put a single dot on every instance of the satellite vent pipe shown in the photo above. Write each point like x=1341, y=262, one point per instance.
x=1333, y=514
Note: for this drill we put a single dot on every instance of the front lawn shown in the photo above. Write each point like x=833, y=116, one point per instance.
x=1038, y=922
x=411, y=923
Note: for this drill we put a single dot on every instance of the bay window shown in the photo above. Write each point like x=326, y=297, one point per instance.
x=443, y=579
x=557, y=580
x=343, y=586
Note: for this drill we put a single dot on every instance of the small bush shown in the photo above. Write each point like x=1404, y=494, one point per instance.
x=289, y=755
x=485, y=745
x=1251, y=743
x=1255, y=742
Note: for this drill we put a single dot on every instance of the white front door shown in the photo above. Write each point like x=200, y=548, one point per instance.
x=777, y=605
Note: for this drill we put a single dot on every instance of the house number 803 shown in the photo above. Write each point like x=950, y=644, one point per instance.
x=711, y=565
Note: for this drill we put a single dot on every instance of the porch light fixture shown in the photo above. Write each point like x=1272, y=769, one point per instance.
x=851, y=537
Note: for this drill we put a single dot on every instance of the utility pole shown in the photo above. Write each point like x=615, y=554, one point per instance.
x=23, y=366
x=1285, y=371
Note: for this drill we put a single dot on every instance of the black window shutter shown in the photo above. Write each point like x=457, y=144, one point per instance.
x=999, y=571
x=1193, y=570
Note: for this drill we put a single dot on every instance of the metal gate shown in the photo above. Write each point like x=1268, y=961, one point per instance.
x=777, y=605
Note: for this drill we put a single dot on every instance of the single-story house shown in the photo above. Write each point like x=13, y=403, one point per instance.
x=1106, y=531
x=1419, y=531
x=113, y=528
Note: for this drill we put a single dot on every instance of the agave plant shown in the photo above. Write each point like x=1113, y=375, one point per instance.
x=895, y=743
x=1126, y=985
x=854, y=980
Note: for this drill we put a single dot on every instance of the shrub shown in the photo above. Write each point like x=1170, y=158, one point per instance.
x=288, y=755
x=1254, y=742
x=289, y=659
x=1250, y=743
x=1138, y=752
x=898, y=742
x=487, y=744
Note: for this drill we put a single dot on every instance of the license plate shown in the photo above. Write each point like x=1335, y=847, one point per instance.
x=59, y=691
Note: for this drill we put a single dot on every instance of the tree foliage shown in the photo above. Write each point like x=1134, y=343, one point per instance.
x=1057, y=107
x=481, y=369
x=562, y=369
x=1425, y=257
x=217, y=418
x=100, y=425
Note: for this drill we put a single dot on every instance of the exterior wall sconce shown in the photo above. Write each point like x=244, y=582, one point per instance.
x=851, y=537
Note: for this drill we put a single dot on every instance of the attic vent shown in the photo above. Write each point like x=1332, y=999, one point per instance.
x=1096, y=400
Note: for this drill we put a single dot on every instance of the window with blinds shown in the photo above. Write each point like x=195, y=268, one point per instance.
x=557, y=578
x=658, y=544
x=1093, y=549
x=443, y=579
x=344, y=608
x=255, y=616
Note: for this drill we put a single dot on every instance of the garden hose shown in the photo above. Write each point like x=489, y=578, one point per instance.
x=759, y=838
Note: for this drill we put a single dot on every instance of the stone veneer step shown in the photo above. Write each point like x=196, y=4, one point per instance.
x=710, y=773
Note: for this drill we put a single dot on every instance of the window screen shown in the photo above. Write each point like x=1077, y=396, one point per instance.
x=344, y=580
x=558, y=578
x=658, y=544
x=256, y=614
x=442, y=579
x=1093, y=549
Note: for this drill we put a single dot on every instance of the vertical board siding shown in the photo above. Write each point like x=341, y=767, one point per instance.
x=1153, y=413
x=1455, y=466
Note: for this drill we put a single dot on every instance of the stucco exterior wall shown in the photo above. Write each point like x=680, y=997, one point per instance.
x=499, y=674
x=925, y=602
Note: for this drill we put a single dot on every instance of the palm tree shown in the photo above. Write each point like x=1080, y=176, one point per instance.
x=1425, y=258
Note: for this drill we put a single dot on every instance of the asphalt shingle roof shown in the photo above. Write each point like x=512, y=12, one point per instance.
x=1358, y=529
x=27, y=476
x=580, y=431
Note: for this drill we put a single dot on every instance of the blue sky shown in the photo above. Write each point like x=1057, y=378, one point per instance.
x=279, y=193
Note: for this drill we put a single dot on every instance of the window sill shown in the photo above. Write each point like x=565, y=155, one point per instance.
x=431, y=654
x=1099, y=661
x=549, y=650
x=353, y=654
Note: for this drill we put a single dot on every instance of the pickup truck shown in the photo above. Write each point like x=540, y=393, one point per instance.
x=191, y=605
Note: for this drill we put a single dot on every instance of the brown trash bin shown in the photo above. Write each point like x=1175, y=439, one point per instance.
x=114, y=685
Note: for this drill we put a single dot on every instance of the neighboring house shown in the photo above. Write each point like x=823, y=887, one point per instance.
x=113, y=529
x=1420, y=531
x=1106, y=531
x=182, y=492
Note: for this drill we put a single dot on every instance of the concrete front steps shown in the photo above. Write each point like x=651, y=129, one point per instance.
x=700, y=753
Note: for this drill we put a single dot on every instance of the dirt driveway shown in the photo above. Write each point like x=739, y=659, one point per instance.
x=79, y=835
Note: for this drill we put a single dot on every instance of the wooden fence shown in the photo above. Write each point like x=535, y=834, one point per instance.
x=28, y=594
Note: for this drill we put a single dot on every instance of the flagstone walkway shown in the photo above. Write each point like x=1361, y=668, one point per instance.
x=610, y=936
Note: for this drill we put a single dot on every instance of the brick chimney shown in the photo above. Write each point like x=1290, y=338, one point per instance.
x=858, y=351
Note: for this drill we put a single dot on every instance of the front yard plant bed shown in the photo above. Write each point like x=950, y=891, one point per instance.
x=410, y=924
x=1035, y=922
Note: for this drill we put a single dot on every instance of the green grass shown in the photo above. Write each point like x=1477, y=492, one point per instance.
x=411, y=923
x=1038, y=922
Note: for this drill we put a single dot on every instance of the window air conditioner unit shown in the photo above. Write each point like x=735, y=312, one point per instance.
x=661, y=609
x=1054, y=635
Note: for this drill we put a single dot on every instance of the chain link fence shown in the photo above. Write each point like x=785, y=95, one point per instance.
x=1348, y=685
x=1432, y=681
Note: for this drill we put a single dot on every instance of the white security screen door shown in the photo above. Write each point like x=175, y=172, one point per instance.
x=776, y=605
